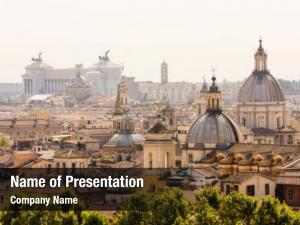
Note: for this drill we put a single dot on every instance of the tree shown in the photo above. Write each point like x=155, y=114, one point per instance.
x=162, y=207
x=94, y=218
x=167, y=206
x=35, y=217
x=271, y=212
x=69, y=218
x=204, y=213
x=236, y=208
x=211, y=195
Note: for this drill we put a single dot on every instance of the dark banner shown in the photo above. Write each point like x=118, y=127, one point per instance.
x=84, y=189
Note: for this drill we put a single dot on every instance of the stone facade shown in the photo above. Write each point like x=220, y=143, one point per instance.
x=41, y=78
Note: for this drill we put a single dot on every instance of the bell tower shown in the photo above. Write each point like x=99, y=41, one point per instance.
x=202, y=99
x=164, y=73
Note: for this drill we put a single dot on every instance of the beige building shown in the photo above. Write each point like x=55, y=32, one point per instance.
x=160, y=150
x=251, y=184
x=30, y=127
x=71, y=159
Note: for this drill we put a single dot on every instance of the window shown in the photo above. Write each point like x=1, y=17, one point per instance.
x=281, y=139
x=171, y=121
x=290, y=139
x=278, y=124
x=190, y=158
x=236, y=187
x=261, y=122
x=250, y=190
x=150, y=160
x=178, y=163
x=267, y=189
x=244, y=121
x=290, y=194
x=227, y=189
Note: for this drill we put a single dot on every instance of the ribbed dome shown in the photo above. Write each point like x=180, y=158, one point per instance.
x=126, y=140
x=261, y=86
x=213, y=129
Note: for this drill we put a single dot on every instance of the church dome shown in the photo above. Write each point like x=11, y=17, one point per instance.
x=261, y=86
x=213, y=130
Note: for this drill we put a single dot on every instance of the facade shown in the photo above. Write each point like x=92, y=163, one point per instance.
x=250, y=184
x=288, y=189
x=71, y=159
x=41, y=78
x=159, y=148
x=30, y=127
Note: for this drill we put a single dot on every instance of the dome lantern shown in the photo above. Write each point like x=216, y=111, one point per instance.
x=214, y=96
x=260, y=58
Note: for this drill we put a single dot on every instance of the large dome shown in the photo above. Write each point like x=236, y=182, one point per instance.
x=213, y=130
x=261, y=86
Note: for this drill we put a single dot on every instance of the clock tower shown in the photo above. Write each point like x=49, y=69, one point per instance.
x=164, y=72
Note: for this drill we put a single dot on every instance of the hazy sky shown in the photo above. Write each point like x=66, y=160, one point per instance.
x=191, y=35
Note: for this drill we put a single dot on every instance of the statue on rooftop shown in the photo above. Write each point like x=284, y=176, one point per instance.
x=38, y=59
x=105, y=57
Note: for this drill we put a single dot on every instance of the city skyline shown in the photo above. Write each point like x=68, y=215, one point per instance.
x=142, y=34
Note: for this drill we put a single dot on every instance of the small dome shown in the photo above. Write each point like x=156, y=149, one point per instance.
x=126, y=140
x=261, y=86
x=213, y=130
